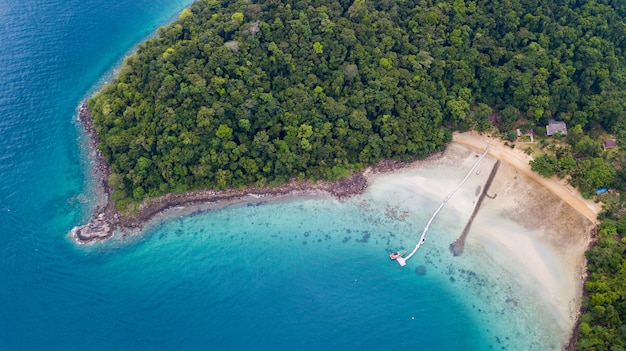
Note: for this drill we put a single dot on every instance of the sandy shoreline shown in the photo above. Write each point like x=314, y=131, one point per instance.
x=565, y=236
x=518, y=159
x=562, y=282
x=541, y=240
x=522, y=228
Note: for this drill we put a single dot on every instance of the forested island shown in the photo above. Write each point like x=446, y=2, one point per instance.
x=241, y=93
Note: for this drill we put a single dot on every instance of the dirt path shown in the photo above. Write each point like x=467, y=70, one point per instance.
x=519, y=160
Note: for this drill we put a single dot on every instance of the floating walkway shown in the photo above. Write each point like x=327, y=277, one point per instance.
x=402, y=260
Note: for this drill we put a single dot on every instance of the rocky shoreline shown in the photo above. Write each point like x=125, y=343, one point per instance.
x=106, y=219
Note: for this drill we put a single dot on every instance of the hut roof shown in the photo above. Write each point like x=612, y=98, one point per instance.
x=554, y=127
x=609, y=144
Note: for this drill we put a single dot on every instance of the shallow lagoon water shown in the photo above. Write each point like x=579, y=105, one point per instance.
x=302, y=273
x=318, y=269
x=291, y=274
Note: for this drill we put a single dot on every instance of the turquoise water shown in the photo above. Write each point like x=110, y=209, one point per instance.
x=292, y=275
x=299, y=274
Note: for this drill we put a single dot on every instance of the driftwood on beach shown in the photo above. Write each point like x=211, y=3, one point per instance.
x=107, y=218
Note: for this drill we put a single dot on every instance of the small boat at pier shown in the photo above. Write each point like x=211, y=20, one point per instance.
x=398, y=257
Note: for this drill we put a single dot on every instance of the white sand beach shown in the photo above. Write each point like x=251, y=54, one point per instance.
x=518, y=159
x=535, y=230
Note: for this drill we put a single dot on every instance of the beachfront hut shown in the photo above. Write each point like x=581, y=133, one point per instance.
x=555, y=127
x=609, y=144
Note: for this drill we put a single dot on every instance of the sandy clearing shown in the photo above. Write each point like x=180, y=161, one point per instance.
x=519, y=160
x=534, y=234
x=526, y=235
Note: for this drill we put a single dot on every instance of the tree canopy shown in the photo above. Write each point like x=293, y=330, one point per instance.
x=236, y=93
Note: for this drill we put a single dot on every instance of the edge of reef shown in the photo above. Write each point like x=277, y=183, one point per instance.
x=107, y=219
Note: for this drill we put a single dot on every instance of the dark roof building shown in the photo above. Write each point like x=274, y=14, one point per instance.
x=554, y=127
x=609, y=144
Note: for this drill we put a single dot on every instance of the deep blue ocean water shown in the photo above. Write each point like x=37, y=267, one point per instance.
x=307, y=274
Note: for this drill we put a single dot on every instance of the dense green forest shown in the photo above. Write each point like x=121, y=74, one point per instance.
x=602, y=326
x=237, y=93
